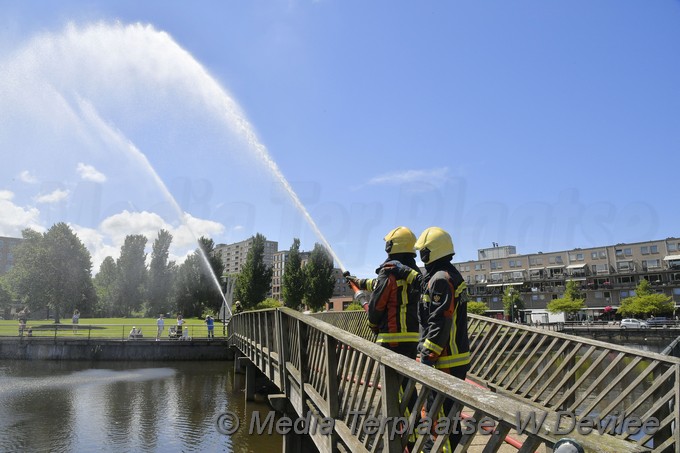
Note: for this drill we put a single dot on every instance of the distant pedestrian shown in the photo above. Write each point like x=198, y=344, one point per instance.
x=75, y=319
x=160, y=323
x=210, y=322
x=23, y=316
x=180, y=322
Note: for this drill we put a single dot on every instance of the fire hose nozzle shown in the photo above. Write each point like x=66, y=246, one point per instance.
x=360, y=296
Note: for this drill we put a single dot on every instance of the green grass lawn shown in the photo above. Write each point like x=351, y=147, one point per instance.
x=114, y=328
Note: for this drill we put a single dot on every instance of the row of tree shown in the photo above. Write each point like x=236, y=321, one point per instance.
x=53, y=271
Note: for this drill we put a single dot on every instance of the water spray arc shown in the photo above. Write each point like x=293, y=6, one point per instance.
x=96, y=62
x=115, y=137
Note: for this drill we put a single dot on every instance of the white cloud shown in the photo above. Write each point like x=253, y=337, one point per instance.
x=14, y=219
x=52, y=197
x=89, y=173
x=108, y=240
x=6, y=195
x=27, y=177
x=435, y=176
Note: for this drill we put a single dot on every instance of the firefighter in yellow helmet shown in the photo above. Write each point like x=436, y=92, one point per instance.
x=442, y=313
x=393, y=306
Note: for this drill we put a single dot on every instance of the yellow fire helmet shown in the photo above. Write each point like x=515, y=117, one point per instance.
x=433, y=244
x=400, y=240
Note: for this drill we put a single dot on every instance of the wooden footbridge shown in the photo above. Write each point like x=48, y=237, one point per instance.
x=528, y=388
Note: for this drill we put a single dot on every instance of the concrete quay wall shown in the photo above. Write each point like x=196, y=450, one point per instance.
x=124, y=350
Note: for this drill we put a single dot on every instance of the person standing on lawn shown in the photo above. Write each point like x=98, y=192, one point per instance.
x=160, y=325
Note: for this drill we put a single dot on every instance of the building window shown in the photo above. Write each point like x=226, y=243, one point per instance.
x=625, y=266
x=651, y=264
x=672, y=247
x=676, y=291
x=479, y=266
x=496, y=265
x=654, y=249
x=599, y=295
x=535, y=261
x=480, y=278
x=600, y=268
x=644, y=250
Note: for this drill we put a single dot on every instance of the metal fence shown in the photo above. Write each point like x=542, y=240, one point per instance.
x=46, y=329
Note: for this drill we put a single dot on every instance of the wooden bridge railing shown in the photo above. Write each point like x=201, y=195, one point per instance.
x=579, y=376
x=333, y=374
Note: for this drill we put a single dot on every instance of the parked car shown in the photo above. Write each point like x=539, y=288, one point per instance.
x=660, y=321
x=632, y=323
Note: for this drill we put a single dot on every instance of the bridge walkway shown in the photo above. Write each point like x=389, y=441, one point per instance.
x=333, y=373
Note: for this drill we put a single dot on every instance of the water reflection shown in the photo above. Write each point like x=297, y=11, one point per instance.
x=75, y=406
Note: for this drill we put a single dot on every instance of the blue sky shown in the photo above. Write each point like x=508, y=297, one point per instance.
x=545, y=125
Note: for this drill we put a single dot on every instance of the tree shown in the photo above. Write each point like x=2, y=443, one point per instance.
x=5, y=296
x=571, y=302
x=105, y=283
x=477, y=308
x=293, y=280
x=159, y=285
x=255, y=279
x=196, y=289
x=319, y=281
x=53, y=270
x=645, y=302
x=512, y=303
x=211, y=266
x=131, y=274
x=187, y=286
x=25, y=278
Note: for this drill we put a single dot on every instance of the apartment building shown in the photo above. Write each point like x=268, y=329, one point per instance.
x=606, y=274
x=234, y=255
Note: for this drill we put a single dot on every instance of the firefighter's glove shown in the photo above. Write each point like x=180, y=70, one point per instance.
x=352, y=280
x=428, y=359
x=403, y=272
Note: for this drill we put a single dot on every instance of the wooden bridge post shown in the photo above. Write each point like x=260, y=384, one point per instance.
x=390, y=382
x=331, y=371
x=283, y=338
x=250, y=377
x=303, y=337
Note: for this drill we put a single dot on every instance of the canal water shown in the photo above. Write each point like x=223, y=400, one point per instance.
x=121, y=407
